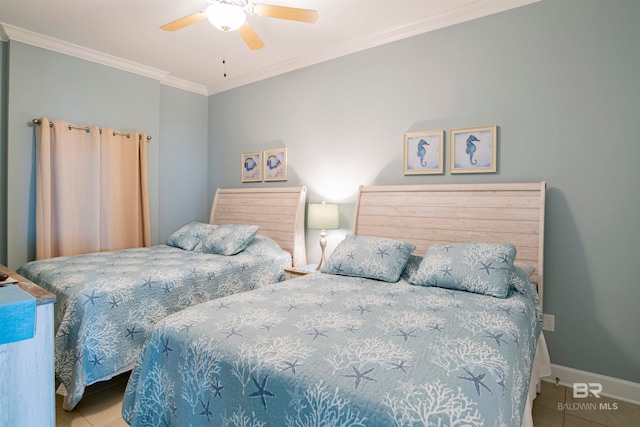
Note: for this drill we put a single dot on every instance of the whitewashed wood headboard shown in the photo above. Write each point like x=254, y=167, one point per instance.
x=456, y=213
x=279, y=212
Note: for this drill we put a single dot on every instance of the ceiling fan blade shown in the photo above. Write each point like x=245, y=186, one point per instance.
x=185, y=21
x=250, y=36
x=283, y=12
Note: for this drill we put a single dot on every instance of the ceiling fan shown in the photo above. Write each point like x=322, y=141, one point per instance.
x=230, y=15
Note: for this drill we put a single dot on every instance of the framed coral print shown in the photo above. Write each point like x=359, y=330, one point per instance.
x=275, y=164
x=252, y=166
x=424, y=152
x=473, y=150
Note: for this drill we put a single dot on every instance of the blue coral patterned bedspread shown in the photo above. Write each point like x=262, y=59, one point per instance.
x=107, y=303
x=327, y=350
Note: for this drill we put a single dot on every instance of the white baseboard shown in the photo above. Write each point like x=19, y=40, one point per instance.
x=624, y=390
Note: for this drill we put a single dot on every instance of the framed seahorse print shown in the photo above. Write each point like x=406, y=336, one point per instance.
x=424, y=152
x=275, y=164
x=252, y=166
x=473, y=150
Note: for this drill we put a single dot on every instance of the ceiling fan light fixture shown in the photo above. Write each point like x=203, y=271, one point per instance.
x=225, y=17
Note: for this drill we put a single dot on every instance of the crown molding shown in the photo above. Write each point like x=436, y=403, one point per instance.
x=56, y=45
x=462, y=14
x=459, y=15
x=49, y=43
x=184, y=85
x=3, y=35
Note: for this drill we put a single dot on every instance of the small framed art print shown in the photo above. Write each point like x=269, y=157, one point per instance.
x=252, y=166
x=275, y=164
x=473, y=150
x=424, y=152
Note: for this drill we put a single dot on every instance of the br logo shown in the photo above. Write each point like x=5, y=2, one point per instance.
x=583, y=390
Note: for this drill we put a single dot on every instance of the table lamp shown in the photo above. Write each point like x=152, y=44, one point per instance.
x=323, y=216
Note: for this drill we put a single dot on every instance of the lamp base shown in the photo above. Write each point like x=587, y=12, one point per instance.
x=323, y=245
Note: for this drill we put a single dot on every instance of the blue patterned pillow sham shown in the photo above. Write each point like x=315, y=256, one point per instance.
x=412, y=266
x=481, y=268
x=229, y=239
x=189, y=236
x=519, y=282
x=370, y=257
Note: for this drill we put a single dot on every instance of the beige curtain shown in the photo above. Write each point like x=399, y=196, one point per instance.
x=91, y=190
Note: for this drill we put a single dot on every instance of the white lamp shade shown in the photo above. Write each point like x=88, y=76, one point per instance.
x=226, y=17
x=325, y=216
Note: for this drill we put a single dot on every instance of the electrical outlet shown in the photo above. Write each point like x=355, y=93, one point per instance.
x=548, y=322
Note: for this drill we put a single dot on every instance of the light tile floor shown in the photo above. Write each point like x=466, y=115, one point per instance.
x=100, y=406
x=554, y=407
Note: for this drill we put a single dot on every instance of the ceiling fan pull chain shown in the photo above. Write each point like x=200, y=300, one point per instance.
x=224, y=55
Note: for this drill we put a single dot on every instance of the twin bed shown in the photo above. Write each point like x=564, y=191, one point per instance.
x=389, y=334
x=108, y=303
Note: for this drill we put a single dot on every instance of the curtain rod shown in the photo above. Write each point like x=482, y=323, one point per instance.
x=37, y=122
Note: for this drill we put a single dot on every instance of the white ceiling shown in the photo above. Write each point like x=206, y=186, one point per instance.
x=125, y=34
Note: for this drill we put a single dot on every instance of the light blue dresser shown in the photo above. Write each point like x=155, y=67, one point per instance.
x=27, y=382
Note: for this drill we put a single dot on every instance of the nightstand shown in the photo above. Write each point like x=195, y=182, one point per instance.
x=293, y=272
x=27, y=378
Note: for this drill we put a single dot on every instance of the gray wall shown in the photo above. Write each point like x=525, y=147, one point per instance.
x=57, y=86
x=561, y=79
x=183, y=160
